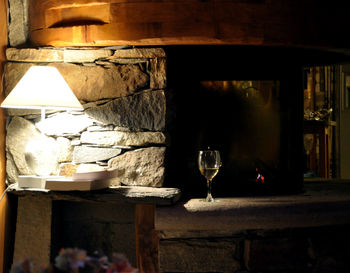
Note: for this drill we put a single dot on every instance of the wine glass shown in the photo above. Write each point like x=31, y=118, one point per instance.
x=209, y=163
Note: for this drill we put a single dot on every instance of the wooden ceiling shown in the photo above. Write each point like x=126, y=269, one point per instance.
x=296, y=23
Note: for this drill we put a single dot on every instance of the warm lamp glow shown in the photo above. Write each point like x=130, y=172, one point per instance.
x=42, y=87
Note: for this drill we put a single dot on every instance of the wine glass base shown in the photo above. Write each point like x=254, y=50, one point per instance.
x=209, y=201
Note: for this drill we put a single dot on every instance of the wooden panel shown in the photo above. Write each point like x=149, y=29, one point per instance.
x=122, y=34
x=146, y=239
x=4, y=213
x=47, y=4
x=60, y=36
x=241, y=22
x=306, y=23
x=36, y=15
x=150, y=31
x=50, y=12
x=175, y=12
x=157, y=1
x=98, y=14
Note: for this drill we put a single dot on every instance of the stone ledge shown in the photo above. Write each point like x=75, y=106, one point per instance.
x=321, y=204
x=139, y=195
x=56, y=55
x=79, y=55
x=148, y=53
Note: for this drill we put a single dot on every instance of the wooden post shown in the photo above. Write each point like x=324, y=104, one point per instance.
x=4, y=213
x=146, y=239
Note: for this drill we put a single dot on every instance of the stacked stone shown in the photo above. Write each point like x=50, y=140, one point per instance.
x=122, y=126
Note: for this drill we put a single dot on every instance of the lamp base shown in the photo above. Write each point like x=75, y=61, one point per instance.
x=61, y=183
x=32, y=181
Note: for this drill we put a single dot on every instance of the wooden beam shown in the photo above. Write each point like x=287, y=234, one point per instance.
x=306, y=23
x=146, y=239
x=4, y=212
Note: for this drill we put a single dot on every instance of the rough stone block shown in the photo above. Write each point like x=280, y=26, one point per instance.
x=100, y=128
x=85, y=55
x=139, y=53
x=64, y=124
x=85, y=154
x=32, y=152
x=46, y=55
x=198, y=255
x=88, y=83
x=125, y=61
x=276, y=255
x=158, y=73
x=96, y=83
x=34, y=55
x=65, y=149
x=116, y=138
x=141, y=167
x=145, y=110
x=18, y=26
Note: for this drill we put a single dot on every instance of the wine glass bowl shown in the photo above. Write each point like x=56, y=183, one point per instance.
x=209, y=162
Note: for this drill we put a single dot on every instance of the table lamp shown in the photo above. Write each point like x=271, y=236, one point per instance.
x=42, y=87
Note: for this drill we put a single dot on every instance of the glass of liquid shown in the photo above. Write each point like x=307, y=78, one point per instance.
x=209, y=163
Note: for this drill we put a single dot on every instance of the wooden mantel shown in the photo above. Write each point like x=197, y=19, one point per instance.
x=297, y=23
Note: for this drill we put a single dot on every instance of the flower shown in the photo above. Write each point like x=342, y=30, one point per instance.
x=26, y=266
x=120, y=264
x=70, y=260
x=75, y=260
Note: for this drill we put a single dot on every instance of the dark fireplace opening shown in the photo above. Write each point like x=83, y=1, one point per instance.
x=242, y=119
x=248, y=104
x=98, y=228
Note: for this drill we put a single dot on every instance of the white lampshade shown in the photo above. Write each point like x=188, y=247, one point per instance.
x=42, y=87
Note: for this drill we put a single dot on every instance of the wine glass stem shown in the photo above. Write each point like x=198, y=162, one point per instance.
x=209, y=197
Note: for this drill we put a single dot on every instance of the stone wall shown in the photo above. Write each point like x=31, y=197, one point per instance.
x=122, y=126
x=308, y=250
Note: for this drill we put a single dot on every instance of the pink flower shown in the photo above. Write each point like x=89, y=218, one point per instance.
x=120, y=264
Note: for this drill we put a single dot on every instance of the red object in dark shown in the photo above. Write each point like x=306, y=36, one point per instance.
x=260, y=178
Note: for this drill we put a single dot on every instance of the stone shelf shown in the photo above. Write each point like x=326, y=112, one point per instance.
x=139, y=195
x=321, y=204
